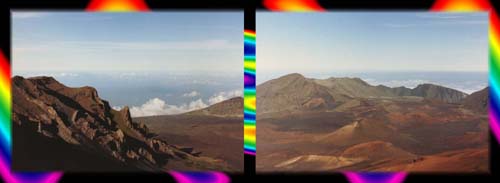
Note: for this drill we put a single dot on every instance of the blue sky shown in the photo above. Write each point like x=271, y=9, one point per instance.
x=371, y=41
x=174, y=41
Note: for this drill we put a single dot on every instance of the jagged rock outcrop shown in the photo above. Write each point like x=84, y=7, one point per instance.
x=431, y=91
x=78, y=121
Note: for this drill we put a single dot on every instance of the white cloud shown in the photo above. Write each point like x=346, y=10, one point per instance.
x=86, y=46
x=191, y=94
x=221, y=96
x=466, y=86
x=437, y=23
x=409, y=83
x=156, y=106
x=53, y=74
x=440, y=15
x=197, y=104
x=439, y=19
x=64, y=74
x=460, y=22
x=21, y=15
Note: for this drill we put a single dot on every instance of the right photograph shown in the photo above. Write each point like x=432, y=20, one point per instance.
x=372, y=92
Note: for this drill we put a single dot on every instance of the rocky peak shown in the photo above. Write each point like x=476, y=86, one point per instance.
x=295, y=92
x=78, y=117
x=349, y=80
x=17, y=79
x=292, y=92
x=228, y=108
x=431, y=91
x=42, y=80
x=293, y=76
x=291, y=79
x=125, y=115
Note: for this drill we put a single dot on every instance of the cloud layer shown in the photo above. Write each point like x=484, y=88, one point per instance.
x=157, y=106
x=21, y=15
x=221, y=96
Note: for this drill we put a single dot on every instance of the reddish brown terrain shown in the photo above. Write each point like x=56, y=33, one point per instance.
x=341, y=124
x=216, y=131
x=56, y=127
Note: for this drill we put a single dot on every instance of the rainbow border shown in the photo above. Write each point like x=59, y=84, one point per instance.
x=117, y=5
x=249, y=92
x=196, y=177
x=494, y=75
x=249, y=107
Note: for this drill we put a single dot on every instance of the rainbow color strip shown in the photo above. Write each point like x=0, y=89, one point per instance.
x=117, y=5
x=354, y=177
x=249, y=92
x=494, y=107
x=461, y=5
x=6, y=134
x=249, y=107
x=5, y=114
x=200, y=177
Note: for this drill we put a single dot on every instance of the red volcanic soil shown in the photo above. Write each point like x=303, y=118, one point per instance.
x=431, y=132
x=458, y=161
x=376, y=150
x=212, y=131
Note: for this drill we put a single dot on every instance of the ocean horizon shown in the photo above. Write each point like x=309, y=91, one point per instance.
x=154, y=92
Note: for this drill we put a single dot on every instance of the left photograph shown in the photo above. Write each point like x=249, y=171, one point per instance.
x=114, y=92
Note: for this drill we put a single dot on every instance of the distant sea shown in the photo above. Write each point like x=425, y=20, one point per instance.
x=159, y=93
x=467, y=82
x=154, y=93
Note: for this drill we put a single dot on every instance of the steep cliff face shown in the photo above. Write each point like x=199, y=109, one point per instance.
x=80, y=124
